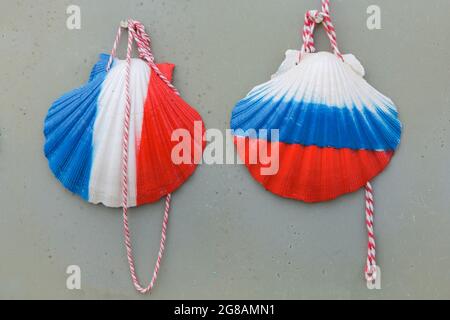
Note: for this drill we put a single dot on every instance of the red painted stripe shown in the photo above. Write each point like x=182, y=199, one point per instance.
x=164, y=112
x=314, y=174
x=167, y=70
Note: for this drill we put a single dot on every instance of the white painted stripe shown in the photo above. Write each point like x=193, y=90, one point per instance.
x=322, y=78
x=105, y=180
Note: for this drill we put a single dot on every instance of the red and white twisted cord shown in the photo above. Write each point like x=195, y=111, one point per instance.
x=114, y=49
x=125, y=144
x=144, y=47
x=371, y=265
x=314, y=17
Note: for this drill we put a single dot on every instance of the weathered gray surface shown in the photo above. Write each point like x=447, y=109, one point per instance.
x=228, y=238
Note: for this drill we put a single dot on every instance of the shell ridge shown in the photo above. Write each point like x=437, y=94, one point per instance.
x=66, y=112
x=100, y=67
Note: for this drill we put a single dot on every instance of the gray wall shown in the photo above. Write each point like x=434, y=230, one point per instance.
x=228, y=238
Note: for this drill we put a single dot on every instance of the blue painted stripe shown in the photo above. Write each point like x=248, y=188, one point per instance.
x=320, y=125
x=100, y=67
x=68, y=130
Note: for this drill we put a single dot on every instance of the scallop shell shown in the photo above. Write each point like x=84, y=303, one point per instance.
x=336, y=132
x=84, y=130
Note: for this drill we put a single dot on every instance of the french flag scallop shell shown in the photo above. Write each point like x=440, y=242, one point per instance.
x=84, y=135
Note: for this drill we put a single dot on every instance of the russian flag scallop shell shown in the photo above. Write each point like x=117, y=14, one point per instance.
x=336, y=132
x=84, y=134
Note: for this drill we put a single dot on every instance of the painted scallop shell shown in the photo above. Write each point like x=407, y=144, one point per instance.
x=84, y=132
x=336, y=132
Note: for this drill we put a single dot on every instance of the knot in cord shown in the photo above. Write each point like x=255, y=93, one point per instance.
x=143, y=41
x=316, y=16
x=312, y=18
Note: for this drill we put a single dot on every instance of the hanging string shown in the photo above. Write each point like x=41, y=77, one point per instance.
x=144, y=47
x=136, y=32
x=143, y=43
x=312, y=18
x=114, y=49
x=371, y=265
